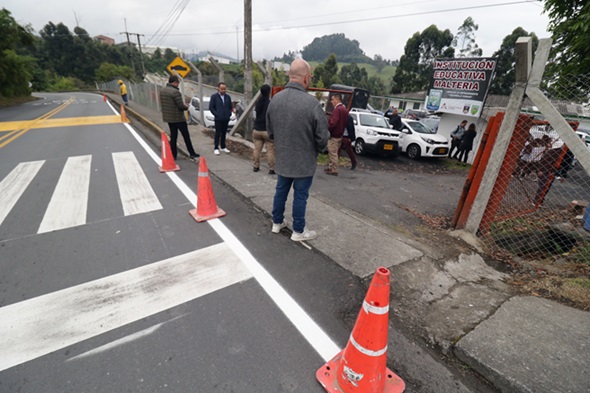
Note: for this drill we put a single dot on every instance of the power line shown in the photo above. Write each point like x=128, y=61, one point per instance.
x=360, y=19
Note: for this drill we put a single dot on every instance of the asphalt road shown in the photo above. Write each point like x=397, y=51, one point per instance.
x=108, y=285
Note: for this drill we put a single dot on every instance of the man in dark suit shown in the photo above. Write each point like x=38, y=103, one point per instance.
x=220, y=106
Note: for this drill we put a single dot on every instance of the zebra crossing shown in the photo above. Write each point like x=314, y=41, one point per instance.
x=68, y=205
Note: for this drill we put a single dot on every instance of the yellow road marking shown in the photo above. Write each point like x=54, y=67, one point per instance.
x=65, y=122
x=18, y=128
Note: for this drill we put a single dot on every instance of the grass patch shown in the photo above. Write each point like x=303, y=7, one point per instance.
x=323, y=160
x=582, y=254
x=6, y=102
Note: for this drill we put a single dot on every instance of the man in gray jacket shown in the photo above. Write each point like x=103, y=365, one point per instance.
x=298, y=125
x=173, y=109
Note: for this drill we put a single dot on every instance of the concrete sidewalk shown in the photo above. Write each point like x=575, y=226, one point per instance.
x=443, y=291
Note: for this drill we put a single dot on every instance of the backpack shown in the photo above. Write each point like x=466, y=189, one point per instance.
x=350, y=128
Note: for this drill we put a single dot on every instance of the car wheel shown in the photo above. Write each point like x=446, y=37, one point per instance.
x=359, y=147
x=413, y=151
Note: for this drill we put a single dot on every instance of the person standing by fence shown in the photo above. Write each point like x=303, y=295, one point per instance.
x=457, y=137
x=173, y=108
x=123, y=90
x=260, y=135
x=221, y=107
x=466, y=143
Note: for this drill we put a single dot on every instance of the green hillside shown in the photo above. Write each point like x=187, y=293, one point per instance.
x=386, y=73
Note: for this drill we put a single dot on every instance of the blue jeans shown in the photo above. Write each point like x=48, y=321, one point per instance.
x=301, y=186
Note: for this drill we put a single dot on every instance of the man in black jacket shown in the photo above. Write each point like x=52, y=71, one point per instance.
x=220, y=106
x=395, y=121
x=173, y=108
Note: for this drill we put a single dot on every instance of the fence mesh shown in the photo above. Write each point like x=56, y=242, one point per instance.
x=539, y=206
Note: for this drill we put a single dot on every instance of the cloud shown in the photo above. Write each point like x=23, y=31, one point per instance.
x=281, y=26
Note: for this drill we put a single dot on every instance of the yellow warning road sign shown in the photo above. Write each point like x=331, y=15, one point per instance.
x=179, y=66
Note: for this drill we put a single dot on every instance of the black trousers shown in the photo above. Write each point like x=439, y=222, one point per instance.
x=183, y=128
x=220, y=131
x=454, y=145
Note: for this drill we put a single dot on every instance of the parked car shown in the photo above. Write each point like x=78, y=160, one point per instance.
x=417, y=140
x=374, y=134
x=194, y=110
x=431, y=122
x=584, y=137
x=414, y=114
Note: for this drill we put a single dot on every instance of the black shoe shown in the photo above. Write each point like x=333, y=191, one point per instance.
x=194, y=156
x=353, y=167
x=271, y=172
x=256, y=169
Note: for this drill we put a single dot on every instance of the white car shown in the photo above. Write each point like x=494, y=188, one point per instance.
x=374, y=134
x=194, y=110
x=417, y=140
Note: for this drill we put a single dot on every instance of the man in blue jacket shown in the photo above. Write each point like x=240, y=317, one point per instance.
x=220, y=107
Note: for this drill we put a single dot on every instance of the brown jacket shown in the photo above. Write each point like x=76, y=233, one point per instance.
x=173, y=106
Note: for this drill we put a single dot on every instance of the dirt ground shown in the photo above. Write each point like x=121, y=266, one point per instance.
x=568, y=283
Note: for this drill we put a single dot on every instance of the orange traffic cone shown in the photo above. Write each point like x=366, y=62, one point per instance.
x=168, y=163
x=123, y=114
x=104, y=97
x=206, y=209
x=361, y=365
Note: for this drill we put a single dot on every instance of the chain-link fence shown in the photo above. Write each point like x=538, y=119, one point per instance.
x=539, y=205
x=148, y=93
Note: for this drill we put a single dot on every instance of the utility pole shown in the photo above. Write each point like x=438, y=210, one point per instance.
x=129, y=46
x=248, y=62
x=140, y=53
x=237, y=46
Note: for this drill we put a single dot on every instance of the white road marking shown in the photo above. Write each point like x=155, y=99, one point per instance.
x=69, y=202
x=13, y=185
x=137, y=195
x=122, y=341
x=308, y=328
x=39, y=326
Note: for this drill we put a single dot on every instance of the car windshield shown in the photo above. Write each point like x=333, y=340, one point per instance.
x=430, y=123
x=373, y=121
x=420, y=128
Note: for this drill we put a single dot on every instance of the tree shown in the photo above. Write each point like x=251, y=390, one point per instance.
x=327, y=73
x=352, y=75
x=504, y=78
x=108, y=72
x=569, y=22
x=465, y=39
x=379, y=62
x=346, y=50
x=14, y=68
x=415, y=65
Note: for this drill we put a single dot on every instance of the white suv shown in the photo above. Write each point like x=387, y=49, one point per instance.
x=374, y=134
x=417, y=140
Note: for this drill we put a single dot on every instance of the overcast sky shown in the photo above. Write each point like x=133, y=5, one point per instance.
x=380, y=26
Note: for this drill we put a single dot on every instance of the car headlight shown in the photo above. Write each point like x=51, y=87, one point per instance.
x=428, y=140
x=371, y=132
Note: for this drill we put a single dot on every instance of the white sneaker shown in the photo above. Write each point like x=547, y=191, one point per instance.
x=305, y=235
x=216, y=152
x=276, y=228
x=225, y=150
